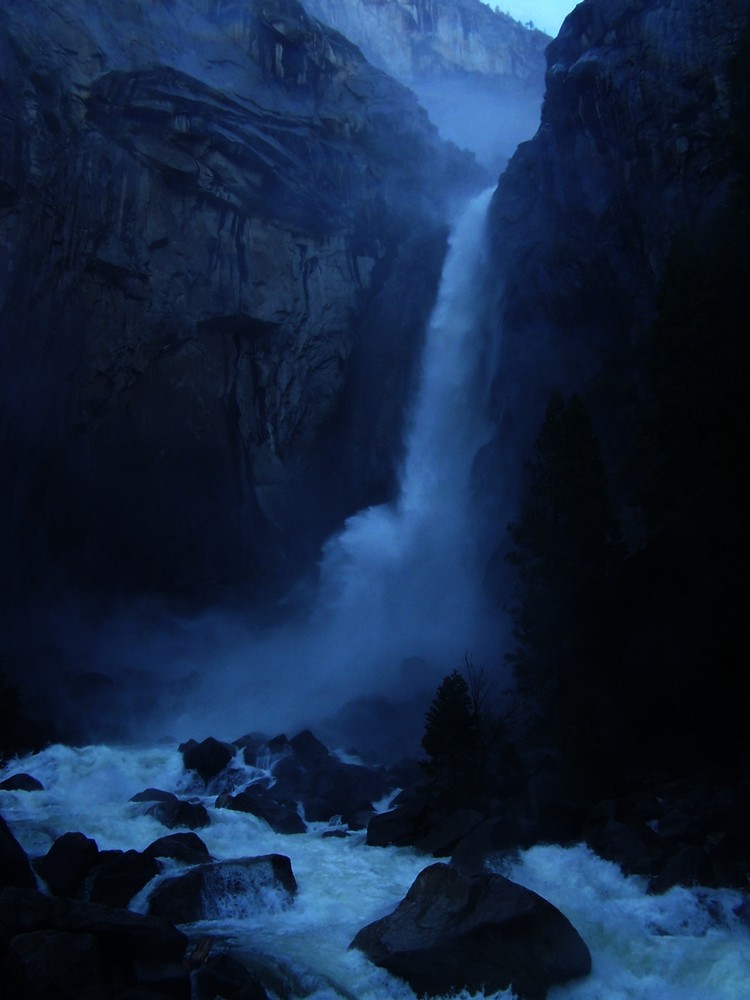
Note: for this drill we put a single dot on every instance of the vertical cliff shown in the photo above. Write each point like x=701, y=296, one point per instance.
x=640, y=141
x=207, y=211
x=478, y=72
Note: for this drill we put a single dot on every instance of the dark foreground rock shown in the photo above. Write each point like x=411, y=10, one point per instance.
x=15, y=869
x=185, y=847
x=278, y=811
x=67, y=863
x=224, y=976
x=74, y=950
x=480, y=932
x=118, y=876
x=21, y=783
x=226, y=888
x=208, y=758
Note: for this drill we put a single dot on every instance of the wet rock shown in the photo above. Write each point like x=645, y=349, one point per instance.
x=483, y=933
x=635, y=847
x=224, y=976
x=21, y=783
x=448, y=831
x=185, y=847
x=175, y=812
x=324, y=786
x=491, y=838
x=153, y=795
x=67, y=863
x=73, y=949
x=280, y=813
x=226, y=888
x=118, y=876
x=208, y=758
x=15, y=869
x=60, y=964
x=689, y=866
x=403, y=825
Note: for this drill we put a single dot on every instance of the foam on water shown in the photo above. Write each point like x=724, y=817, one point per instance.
x=688, y=944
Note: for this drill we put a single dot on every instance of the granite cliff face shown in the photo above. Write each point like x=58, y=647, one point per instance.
x=436, y=37
x=479, y=73
x=640, y=141
x=207, y=212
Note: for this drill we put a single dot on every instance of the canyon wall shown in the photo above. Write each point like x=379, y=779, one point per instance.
x=218, y=226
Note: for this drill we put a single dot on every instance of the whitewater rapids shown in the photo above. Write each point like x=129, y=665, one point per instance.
x=689, y=944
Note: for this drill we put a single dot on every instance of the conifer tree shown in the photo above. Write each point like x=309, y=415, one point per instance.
x=451, y=735
x=567, y=550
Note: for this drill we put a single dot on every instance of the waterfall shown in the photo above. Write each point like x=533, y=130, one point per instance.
x=406, y=572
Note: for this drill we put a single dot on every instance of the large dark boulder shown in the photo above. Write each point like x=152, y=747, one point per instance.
x=67, y=863
x=483, y=933
x=174, y=813
x=224, y=976
x=15, y=869
x=21, y=783
x=61, y=964
x=306, y=772
x=208, y=758
x=70, y=949
x=118, y=876
x=185, y=847
x=225, y=888
x=279, y=812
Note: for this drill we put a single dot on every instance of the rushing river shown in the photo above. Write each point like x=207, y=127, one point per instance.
x=688, y=944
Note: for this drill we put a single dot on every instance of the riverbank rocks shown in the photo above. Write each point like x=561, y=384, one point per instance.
x=188, y=848
x=21, y=783
x=278, y=811
x=15, y=869
x=208, y=758
x=454, y=931
x=305, y=772
x=236, y=888
x=118, y=876
x=75, y=950
x=67, y=863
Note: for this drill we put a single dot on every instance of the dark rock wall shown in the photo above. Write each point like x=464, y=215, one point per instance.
x=638, y=143
x=206, y=209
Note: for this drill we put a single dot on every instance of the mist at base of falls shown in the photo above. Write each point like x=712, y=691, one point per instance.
x=398, y=603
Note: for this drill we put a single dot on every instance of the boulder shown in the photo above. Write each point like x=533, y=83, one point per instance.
x=208, y=758
x=67, y=863
x=483, y=933
x=443, y=837
x=176, y=812
x=15, y=869
x=226, y=888
x=185, y=847
x=308, y=748
x=324, y=786
x=60, y=964
x=21, y=783
x=401, y=826
x=224, y=976
x=153, y=795
x=494, y=836
x=280, y=813
x=118, y=876
x=71, y=949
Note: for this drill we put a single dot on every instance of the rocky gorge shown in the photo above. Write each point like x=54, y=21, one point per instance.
x=160, y=440
x=208, y=213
